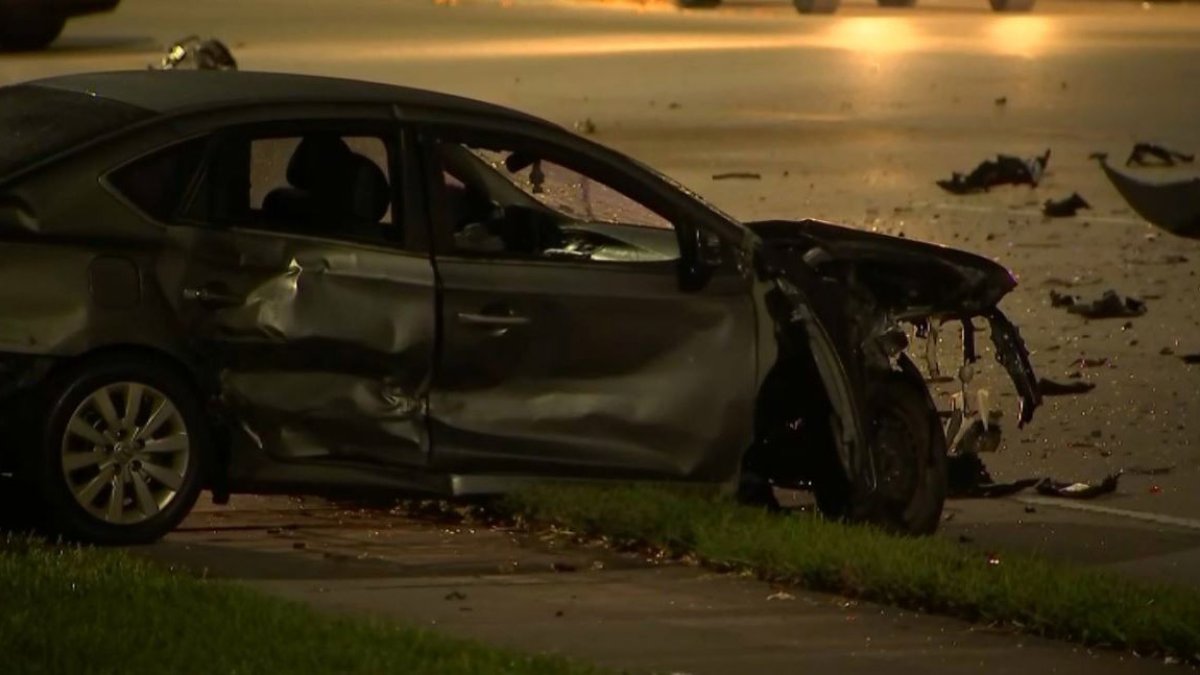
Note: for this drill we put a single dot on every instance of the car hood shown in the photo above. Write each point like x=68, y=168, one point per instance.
x=906, y=276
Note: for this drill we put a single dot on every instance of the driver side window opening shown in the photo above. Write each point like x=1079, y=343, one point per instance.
x=503, y=202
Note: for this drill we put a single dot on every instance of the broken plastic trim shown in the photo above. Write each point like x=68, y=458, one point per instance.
x=1012, y=353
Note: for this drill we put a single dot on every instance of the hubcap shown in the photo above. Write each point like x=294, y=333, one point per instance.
x=125, y=452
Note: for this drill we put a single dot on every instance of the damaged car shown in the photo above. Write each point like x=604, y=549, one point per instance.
x=251, y=282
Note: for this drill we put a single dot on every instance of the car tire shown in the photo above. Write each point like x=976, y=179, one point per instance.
x=896, y=3
x=904, y=429
x=1011, y=5
x=27, y=25
x=122, y=453
x=816, y=6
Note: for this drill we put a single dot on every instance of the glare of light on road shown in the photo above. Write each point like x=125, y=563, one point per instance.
x=874, y=35
x=1027, y=36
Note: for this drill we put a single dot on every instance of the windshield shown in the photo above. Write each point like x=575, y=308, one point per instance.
x=37, y=122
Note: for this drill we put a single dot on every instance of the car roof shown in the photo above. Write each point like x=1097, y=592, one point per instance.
x=167, y=92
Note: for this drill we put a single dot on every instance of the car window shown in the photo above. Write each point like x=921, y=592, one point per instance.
x=502, y=202
x=158, y=182
x=320, y=183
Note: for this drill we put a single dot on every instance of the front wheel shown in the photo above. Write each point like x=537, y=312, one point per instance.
x=122, y=453
x=909, y=451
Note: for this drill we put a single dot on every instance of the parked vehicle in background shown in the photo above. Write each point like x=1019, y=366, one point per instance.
x=34, y=24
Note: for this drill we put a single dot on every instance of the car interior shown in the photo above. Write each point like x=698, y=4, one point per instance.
x=494, y=207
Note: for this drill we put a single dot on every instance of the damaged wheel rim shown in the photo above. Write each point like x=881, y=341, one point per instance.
x=125, y=452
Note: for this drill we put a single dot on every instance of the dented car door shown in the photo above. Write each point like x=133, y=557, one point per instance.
x=305, y=298
x=568, y=346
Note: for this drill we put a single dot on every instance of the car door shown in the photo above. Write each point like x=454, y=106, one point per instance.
x=289, y=262
x=568, y=346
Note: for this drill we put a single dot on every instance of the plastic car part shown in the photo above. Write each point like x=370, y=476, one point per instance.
x=193, y=53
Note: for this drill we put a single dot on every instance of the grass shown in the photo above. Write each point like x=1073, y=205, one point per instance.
x=935, y=575
x=82, y=611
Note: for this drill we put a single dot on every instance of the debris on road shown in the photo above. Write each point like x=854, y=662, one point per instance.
x=1065, y=208
x=743, y=175
x=1053, y=488
x=193, y=53
x=1173, y=206
x=1191, y=359
x=1086, y=362
x=1110, y=305
x=1142, y=152
x=586, y=126
x=978, y=437
x=1004, y=170
x=1149, y=470
x=1051, y=388
x=781, y=595
x=969, y=478
x=1001, y=101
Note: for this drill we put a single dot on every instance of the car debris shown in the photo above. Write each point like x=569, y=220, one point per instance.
x=969, y=478
x=1004, y=170
x=1065, y=208
x=1173, y=206
x=1139, y=470
x=1049, y=387
x=735, y=175
x=1110, y=305
x=194, y=53
x=1143, y=152
x=1053, y=488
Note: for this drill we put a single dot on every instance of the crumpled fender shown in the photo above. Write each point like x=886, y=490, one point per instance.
x=912, y=281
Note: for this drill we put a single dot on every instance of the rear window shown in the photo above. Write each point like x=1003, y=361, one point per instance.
x=36, y=122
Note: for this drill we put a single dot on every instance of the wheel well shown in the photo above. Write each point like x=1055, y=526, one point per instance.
x=793, y=436
x=132, y=352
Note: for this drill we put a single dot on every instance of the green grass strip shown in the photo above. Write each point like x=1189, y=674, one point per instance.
x=929, y=574
x=82, y=611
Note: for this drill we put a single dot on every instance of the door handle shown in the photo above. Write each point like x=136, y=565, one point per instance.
x=212, y=296
x=496, y=320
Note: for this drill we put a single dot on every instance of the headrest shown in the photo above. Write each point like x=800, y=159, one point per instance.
x=315, y=159
x=369, y=194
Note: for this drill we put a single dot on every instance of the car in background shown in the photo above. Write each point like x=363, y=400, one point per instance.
x=261, y=282
x=34, y=24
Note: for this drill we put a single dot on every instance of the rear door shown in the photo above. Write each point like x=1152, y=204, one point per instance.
x=568, y=346
x=290, y=262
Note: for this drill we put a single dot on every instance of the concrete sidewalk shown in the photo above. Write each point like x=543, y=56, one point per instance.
x=616, y=610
